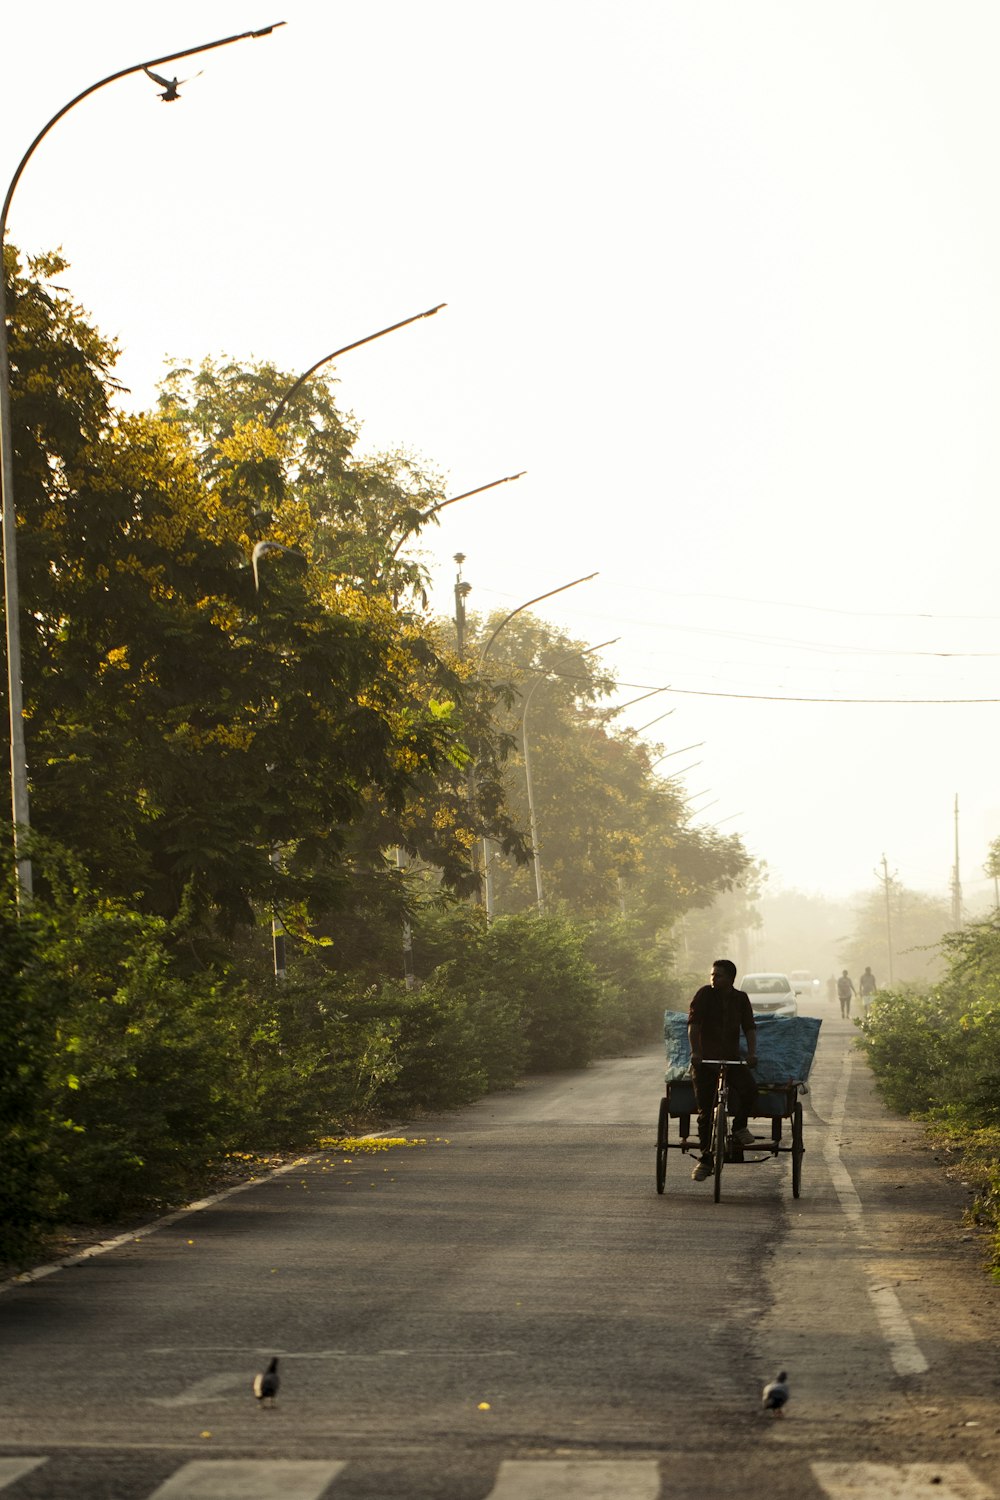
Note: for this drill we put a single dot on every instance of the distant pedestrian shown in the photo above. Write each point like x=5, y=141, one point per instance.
x=845, y=989
x=867, y=985
x=831, y=988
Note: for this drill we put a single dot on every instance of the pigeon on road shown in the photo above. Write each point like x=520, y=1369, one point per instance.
x=265, y=1385
x=775, y=1394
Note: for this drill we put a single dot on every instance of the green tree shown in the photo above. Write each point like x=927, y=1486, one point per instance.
x=186, y=717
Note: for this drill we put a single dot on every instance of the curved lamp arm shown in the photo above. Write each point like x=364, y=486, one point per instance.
x=452, y=501
x=369, y=339
x=527, y=605
x=151, y=62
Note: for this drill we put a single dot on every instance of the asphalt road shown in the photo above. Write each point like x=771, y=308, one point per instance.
x=510, y=1311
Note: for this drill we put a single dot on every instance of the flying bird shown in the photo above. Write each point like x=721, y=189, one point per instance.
x=265, y=1385
x=775, y=1394
x=263, y=549
x=169, y=85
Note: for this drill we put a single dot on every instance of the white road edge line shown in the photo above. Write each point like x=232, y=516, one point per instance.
x=16, y=1468
x=24, y=1278
x=904, y=1351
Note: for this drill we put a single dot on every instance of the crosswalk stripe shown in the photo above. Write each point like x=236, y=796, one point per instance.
x=14, y=1468
x=865, y=1481
x=579, y=1478
x=212, y=1388
x=249, y=1479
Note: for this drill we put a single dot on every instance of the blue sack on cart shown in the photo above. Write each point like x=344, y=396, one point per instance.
x=786, y=1046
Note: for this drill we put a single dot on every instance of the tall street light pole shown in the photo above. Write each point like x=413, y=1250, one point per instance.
x=482, y=658
x=18, y=757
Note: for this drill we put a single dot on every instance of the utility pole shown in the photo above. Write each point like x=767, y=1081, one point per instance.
x=462, y=591
x=886, y=880
x=956, y=882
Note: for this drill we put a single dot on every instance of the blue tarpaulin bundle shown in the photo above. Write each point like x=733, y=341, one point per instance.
x=786, y=1046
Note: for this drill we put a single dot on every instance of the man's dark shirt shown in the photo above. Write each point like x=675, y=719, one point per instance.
x=721, y=1016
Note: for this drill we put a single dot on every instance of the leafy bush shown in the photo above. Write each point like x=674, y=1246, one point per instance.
x=29, y=1003
x=438, y=1052
x=305, y=1055
x=913, y=1043
x=937, y=1056
x=636, y=984
x=538, y=968
x=131, y=1068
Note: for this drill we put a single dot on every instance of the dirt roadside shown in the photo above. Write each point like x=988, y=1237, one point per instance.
x=877, y=1271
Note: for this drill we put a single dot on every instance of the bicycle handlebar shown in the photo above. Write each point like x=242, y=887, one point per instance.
x=725, y=1062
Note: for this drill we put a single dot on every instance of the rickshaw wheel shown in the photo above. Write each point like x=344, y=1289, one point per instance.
x=662, y=1135
x=798, y=1148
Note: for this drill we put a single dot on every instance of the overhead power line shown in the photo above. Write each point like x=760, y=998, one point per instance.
x=779, y=698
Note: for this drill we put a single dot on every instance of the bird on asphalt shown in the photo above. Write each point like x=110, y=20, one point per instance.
x=169, y=85
x=775, y=1395
x=265, y=1385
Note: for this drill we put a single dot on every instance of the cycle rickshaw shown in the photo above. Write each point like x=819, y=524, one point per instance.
x=786, y=1046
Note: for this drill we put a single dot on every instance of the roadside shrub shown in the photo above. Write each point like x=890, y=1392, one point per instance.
x=438, y=1049
x=636, y=985
x=306, y=1054
x=914, y=1043
x=29, y=1003
x=142, y=1102
x=539, y=969
x=937, y=1056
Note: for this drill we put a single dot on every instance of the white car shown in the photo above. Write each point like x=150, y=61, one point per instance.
x=803, y=983
x=770, y=994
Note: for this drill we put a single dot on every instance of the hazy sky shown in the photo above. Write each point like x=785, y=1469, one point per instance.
x=723, y=277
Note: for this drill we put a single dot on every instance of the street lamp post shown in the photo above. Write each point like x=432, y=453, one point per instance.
x=18, y=757
x=487, y=860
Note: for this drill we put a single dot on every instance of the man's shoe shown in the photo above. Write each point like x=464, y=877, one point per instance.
x=702, y=1170
x=744, y=1137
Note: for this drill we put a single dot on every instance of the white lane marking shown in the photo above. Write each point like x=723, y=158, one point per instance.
x=212, y=1388
x=864, y=1481
x=904, y=1351
x=577, y=1479
x=137, y=1234
x=14, y=1468
x=249, y=1479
